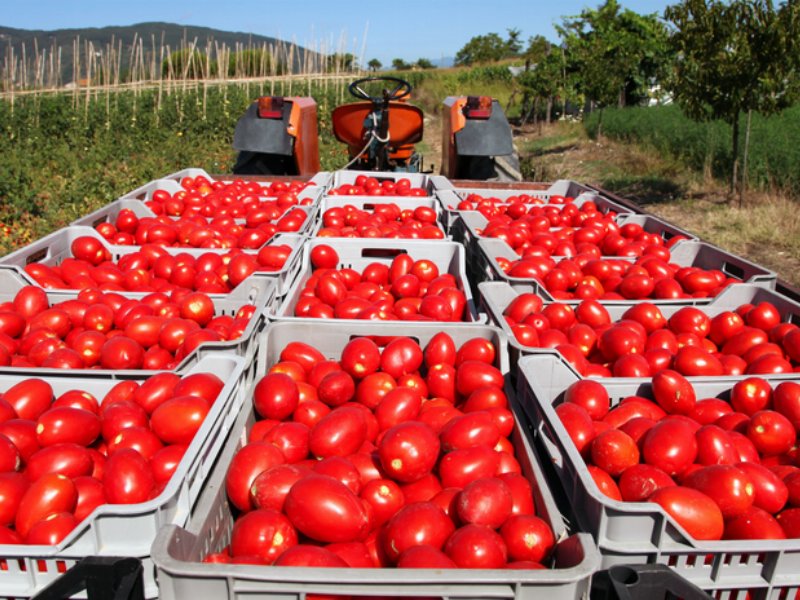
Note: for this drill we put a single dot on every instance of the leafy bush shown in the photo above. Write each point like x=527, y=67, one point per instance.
x=773, y=158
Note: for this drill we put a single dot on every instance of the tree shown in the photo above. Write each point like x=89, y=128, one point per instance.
x=733, y=57
x=398, y=64
x=424, y=63
x=513, y=45
x=374, y=64
x=482, y=49
x=617, y=54
x=543, y=81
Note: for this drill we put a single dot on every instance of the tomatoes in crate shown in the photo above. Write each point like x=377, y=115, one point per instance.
x=718, y=472
x=389, y=473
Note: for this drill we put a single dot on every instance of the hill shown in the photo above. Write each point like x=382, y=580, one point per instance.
x=154, y=37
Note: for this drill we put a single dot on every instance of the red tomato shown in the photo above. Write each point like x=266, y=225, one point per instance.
x=727, y=486
x=49, y=494
x=384, y=497
x=127, y=478
x=416, y=524
x=316, y=501
x=476, y=547
x=485, y=501
x=247, y=464
x=305, y=555
x=323, y=256
x=67, y=425
x=528, y=538
x=408, y=451
x=275, y=396
x=339, y=433
x=638, y=482
x=673, y=392
x=12, y=489
x=400, y=357
x=693, y=510
x=614, y=451
x=590, y=395
x=771, y=432
x=671, y=446
x=29, y=398
x=177, y=420
x=753, y=524
x=265, y=533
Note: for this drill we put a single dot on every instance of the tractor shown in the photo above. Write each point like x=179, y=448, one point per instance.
x=279, y=136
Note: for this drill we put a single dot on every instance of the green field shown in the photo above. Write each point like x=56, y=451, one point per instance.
x=774, y=154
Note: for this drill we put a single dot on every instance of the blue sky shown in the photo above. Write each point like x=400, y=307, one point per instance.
x=382, y=29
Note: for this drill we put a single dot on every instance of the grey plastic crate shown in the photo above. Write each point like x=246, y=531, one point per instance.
x=430, y=183
x=642, y=532
x=128, y=529
x=110, y=212
x=260, y=292
x=52, y=249
x=495, y=296
x=652, y=224
x=177, y=551
x=321, y=178
x=358, y=253
x=368, y=203
x=686, y=253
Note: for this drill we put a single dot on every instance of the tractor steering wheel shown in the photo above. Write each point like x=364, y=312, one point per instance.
x=401, y=89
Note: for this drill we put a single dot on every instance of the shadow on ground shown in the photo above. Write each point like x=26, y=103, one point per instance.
x=645, y=190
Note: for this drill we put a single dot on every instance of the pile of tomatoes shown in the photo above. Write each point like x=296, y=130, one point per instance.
x=366, y=185
x=261, y=222
x=493, y=205
x=152, y=268
x=723, y=469
x=520, y=224
x=650, y=276
x=394, y=456
x=219, y=198
x=61, y=458
x=406, y=289
x=107, y=330
x=385, y=220
x=750, y=340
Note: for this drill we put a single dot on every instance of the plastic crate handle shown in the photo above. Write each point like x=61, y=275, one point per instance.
x=103, y=578
x=553, y=448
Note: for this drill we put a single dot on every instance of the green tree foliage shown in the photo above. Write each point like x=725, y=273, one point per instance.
x=374, y=64
x=254, y=62
x=733, y=57
x=482, y=49
x=424, y=63
x=513, y=44
x=398, y=64
x=616, y=54
x=543, y=80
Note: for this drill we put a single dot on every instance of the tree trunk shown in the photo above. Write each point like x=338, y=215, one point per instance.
x=743, y=187
x=735, y=151
x=621, y=97
x=549, y=109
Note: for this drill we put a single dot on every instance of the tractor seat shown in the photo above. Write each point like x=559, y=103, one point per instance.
x=405, y=123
